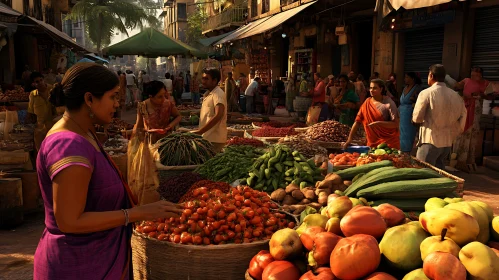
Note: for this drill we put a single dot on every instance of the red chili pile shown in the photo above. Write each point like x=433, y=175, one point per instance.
x=209, y=185
x=177, y=186
x=274, y=132
x=239, y=141
x=241, y=215
x=276, y=124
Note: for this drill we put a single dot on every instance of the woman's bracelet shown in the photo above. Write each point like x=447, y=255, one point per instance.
x=125, y=211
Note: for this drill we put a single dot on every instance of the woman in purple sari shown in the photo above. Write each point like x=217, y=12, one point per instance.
x=88, y=206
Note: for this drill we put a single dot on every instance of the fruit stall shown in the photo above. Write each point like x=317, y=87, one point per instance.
x=291, y=210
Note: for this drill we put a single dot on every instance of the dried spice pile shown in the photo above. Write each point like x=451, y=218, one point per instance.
x=177, y=186
x=276, y=124
x=273, y=132
x=328, y=131
x=240, y=141
x=298, y=143
x=180, y=149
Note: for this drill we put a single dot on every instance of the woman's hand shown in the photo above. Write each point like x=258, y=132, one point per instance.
x=346, y=144
x=155, y=210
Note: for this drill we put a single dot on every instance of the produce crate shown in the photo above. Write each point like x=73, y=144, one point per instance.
x=154, y=259
x=271, y=140
x=165, y=172
x=459, y=181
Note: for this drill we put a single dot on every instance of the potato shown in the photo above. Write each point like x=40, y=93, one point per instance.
x=315, y=205
x=309, y=193
x=298, y=195
x=323, y=198
x=286, y=208
x=289, y=200
x=347, y=183
x=305, y=201
x=326, y=184
x=335, y=178
x=291, y=187
x=318, y=191
x=278, y=195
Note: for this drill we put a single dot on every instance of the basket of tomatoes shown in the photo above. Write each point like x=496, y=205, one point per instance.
x=215, y=237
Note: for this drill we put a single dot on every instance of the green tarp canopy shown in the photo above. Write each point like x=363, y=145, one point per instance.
x=209, y=41
x=152, y=43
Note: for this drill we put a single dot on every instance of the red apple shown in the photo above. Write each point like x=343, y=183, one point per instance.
x=307, y=237
x=322, y=273
x=258, y=264
x=281, y=270
x=324, y=244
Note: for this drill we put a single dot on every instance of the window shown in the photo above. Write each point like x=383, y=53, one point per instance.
x=254, y=8
x=181, y=11
x=76, y=24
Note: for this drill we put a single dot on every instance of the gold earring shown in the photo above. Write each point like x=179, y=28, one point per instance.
x=91, y=114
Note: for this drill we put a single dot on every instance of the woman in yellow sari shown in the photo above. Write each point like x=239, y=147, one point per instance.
x=380, y=118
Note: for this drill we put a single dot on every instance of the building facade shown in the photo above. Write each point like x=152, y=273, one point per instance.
x=175, y=14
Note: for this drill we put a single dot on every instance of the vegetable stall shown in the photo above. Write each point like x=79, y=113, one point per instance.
x=299, y=208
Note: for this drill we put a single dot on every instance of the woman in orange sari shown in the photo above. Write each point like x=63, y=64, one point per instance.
x=379, y=116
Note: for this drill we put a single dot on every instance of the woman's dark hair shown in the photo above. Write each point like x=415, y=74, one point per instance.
x=477, y=69
x=119, y=72
x=344, y=76
x=392, y=89
x=380, y=84
x=360, y=78
x=152, y=88
x=167, y=76
x=35, y=75
x=80, y=79
x=415, y=77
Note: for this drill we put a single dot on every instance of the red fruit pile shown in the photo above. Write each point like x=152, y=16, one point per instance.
x=238, y=141
x=241, y=215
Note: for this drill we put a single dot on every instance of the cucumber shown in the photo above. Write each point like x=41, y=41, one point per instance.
x=423, y=188
x=416, y=204
x=349, y=173
x=392, y=175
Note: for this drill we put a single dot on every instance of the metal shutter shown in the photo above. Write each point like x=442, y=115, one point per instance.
x=486, y=42
x=423, y=48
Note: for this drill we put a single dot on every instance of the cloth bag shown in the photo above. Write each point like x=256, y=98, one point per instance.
x=142, y=172
x=313, y=115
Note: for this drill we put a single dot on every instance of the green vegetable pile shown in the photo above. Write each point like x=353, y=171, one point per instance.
x=230, y=165
x=180, y=149
x=281, y=166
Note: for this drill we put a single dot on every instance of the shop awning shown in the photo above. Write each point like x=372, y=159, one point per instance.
x=4, y=9
x=385, y=7
x=58, y=36
x=209, y=41
x=96, y=58
x=241, y=30
x=274, y=21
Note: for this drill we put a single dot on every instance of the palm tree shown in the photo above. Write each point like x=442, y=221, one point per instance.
x=104, y=17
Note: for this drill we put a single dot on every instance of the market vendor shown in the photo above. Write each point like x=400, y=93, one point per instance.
x=346, y=102
x=213, y=119
x=319, y=97
x=380, y=118
x=155, y=112
x=40, y=110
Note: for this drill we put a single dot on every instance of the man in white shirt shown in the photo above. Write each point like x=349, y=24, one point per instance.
x=168, y=83
x=250, y=93
x=213, y=115
x=441, y=113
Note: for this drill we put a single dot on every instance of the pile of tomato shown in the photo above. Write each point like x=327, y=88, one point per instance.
x=242, y=215
x=344, y=158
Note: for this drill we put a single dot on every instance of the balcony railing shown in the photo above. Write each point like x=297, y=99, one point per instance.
x=233, y=16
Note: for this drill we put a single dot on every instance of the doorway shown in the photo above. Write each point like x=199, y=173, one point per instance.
x=365, y=42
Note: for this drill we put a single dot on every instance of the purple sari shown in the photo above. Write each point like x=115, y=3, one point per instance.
x=98, y=255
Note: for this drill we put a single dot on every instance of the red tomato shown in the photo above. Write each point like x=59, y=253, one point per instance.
x=162, y=237
x=291, y=225
x=256, y=220
x=152, y=234
x=281, y=270
x=197, y=240
x=187, y=213
x=176, y=238
x=148, y=229
x=221, y=214
x=218, y=238
x=211, y=213
x=195, y=216
x=185, y=238
x=161, y=227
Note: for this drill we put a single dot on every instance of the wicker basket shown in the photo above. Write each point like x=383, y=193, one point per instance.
x=153, y=259
x=459, y=181
x=165, y=172
x=270, y=140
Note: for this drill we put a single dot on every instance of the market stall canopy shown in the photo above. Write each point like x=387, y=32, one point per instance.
x=96, y=58
x=274, y=21
x=385, y=7
x=241, y=30
x=209, y=41
x=4, y=9
x=58, y=36
x=152, y=43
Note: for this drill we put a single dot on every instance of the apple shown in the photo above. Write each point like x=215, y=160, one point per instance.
x=439, y=243
x=281, y=270
x=339, y=207
x=333, y=226
x=444, y=266
x=308, y=236
x=321, y=273
x=324, y=244
x=258, y=263
x=285, y=243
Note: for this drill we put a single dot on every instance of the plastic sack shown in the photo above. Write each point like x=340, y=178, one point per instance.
x=142, y=172
x=313, y=115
